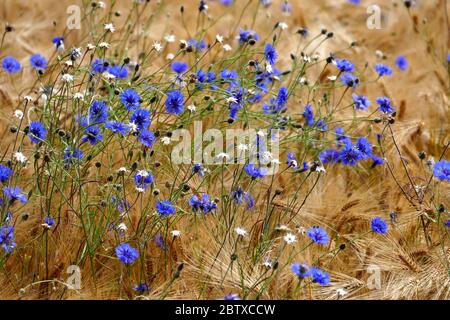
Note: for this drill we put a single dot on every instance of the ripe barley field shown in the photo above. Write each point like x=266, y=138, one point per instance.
x=341, y=191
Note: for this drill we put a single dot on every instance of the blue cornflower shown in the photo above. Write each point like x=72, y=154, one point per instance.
x=37, y=132
x=117, y=127
x=379, y=225
x=98, y=112
x=321, y=125
x=350, y=155
x=15, y=193
x=447, y=223
x=354, y=1
x=141, y=119
x=255, y=172
x=341, y=138
x=361, y=102
x=270, y=53
x=364, y=147
x=319, y=276
x=179, y=67
x=198, y=168
x=98, y=66
x=401, y=62
x=175, y=102
x=232, y=296
x=165, y=207
x=292, y=161
x=159, y=241
x=384, y=104
x=329, y=156
x=266, y=3
x=441, y=170
x=6, y=234
x=301, y=270
x=143, y=179
x=38, y=62
x=130, y=99
x=383, y=70
x=282, y=97
x=120, y=72
x=49, y=221
x=147, y=138
x=318, y=235
x=71, y=156
x=237, y=102
x=11, y=65
x=240, y=196
x=7, y=238
x=229, y=76
x=92, y=135
x=59, y=42
x=308, y=115
x=345, y=65
x=204, y=204
x=141, y=287
x=349, y=80
x=126, y=253
x=198, y=45
x=286, y=8
x=227, y=2
x=377, y=161
x=247, y=35
x=5, y=173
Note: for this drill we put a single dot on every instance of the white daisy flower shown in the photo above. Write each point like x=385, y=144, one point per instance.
x=122, y=170
x=227, y=47
x=157, y=46
x=20, y=157
x=241, y=231
x=290, y=238
x=78, y=96
x=67, y=78
x=283, y=25
x=175, y=233
x=122, y=227
x=166, y=140
x=223, y=156
x=169, y=38
x=110, y=27
x=18, y=114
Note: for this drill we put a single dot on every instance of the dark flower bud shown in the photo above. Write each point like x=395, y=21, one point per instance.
x=422, y=155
